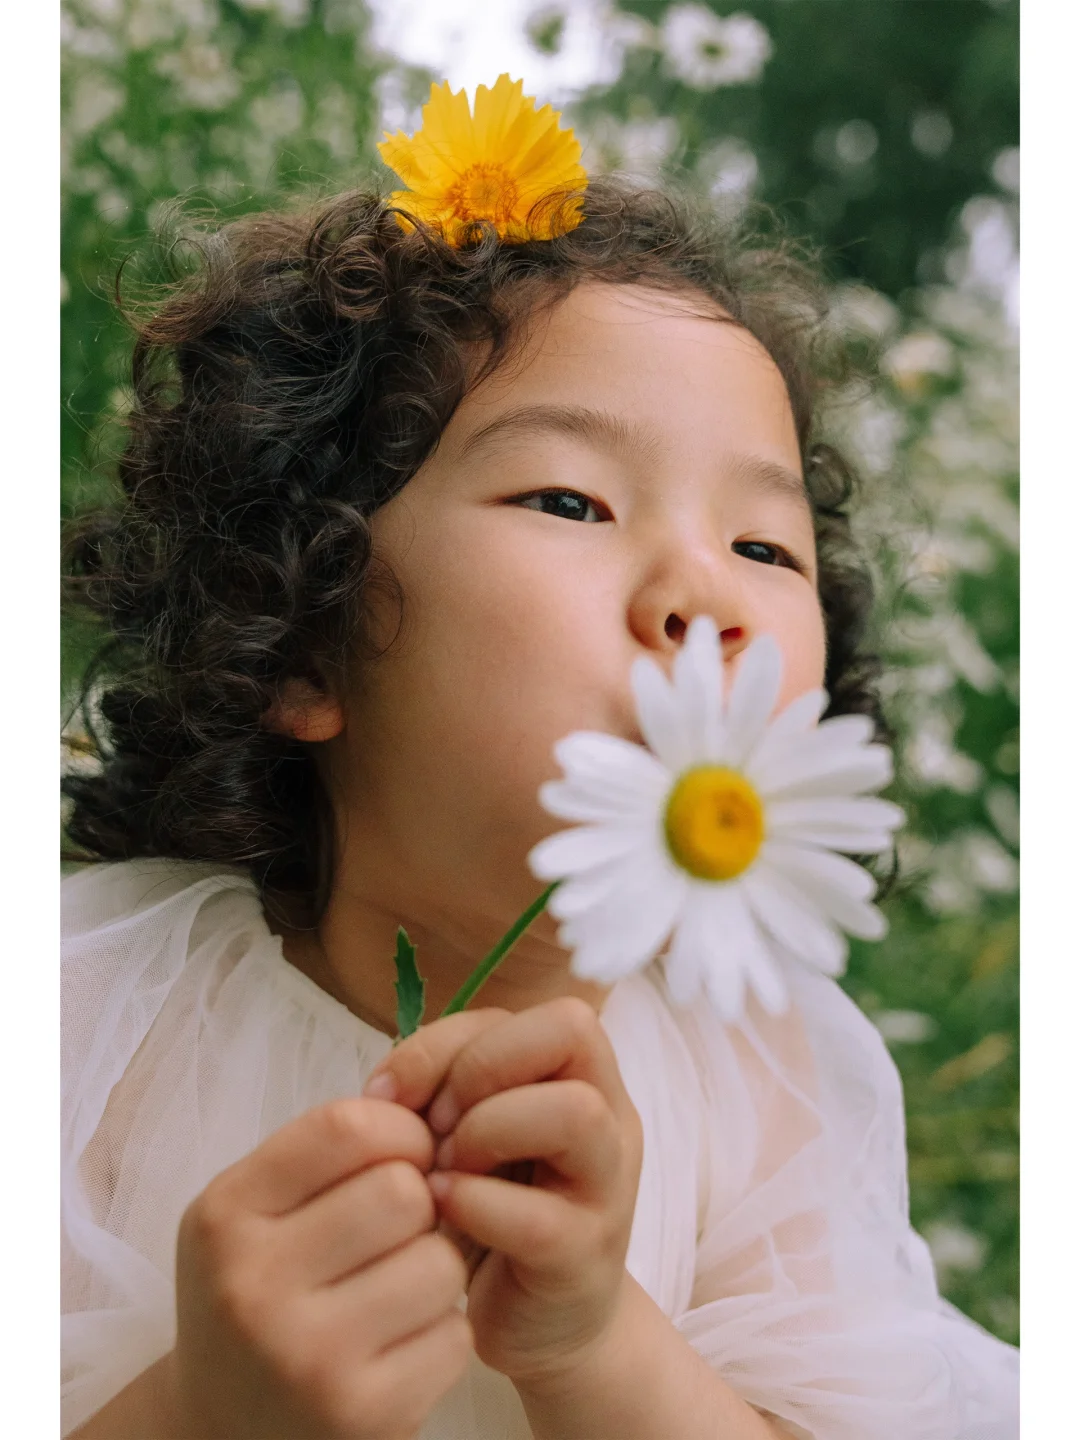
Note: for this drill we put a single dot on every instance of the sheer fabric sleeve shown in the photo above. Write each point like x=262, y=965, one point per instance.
x=812, y=1294
x=186, y=1040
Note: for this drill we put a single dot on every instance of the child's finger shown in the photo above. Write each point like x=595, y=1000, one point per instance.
x=535, y=1227
x=566, y=1123
x=469, y=1250
x=417, y=1066
x=354, y=1223
x=319, y=1149
x=560, y=1039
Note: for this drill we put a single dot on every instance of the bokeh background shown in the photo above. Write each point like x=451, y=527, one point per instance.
x=885, y=132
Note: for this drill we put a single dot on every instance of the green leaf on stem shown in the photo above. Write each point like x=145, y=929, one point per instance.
x=409, y=987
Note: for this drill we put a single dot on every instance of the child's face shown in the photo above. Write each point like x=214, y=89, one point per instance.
x=521, y=625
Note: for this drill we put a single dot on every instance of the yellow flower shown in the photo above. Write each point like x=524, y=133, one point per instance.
x=492, y=165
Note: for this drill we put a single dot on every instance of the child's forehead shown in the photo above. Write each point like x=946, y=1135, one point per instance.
x=601, y=311
x=604, y=334
x=634, y=369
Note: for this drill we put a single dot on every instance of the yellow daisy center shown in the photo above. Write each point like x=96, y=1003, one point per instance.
x=714, y=822
x=485, y=191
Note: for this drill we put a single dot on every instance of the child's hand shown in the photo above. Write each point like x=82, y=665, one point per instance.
x=314, y=1298
x=542, y=1085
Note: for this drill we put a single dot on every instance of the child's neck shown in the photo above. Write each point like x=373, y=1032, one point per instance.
x=350, y=956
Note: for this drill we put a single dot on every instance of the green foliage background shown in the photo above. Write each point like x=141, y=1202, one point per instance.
x=886, y=132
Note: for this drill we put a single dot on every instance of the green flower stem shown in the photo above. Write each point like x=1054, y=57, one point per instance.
x=503, y=948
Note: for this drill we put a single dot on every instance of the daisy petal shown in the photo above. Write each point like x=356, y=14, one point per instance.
x=592, y=757
x=841, y=888
x=801, y=715
x=660, y=714
x=693, y=949
x=645, y=875
x=844, y=735
x=744, y=935
x=753, y=695
x=574, y=801
x=805, y=772
x=819, y=868
x=582, y=891
x=582, y=847
x=732, y=935
x=855, y=729
x=625, y=932
x=850, y=817
x=767, y=982
x=796, y=923
x=698, y=675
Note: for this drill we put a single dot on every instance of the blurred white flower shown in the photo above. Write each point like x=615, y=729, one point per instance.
x=875, y=429
x=950, y=634
x=104, y=9
x=967, y=866
x=917, y=356
x=984, y=504
x=92, y=42
x=862, y=310
x=150, y=22
x=905, y=1027
x=93, y=100
x=335, y=123
x=988, y=260
x=931, y=132
x=729, y=171
x=1003, y=807
x=705, y=51
x=990, y=864
x=934, y=759
x=639, y=148
x=112, y=205
x=953, y=1247
x=1006, y=169
x=201, y=73
x=948, y=550
x=289, y=12
x=279, y=112
x=855, y=143
x=400, y=101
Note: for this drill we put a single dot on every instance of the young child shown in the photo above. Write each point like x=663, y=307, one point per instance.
x=400, y=508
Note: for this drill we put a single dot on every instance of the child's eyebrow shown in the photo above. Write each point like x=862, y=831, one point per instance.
x=598, y=427
x=606, y=431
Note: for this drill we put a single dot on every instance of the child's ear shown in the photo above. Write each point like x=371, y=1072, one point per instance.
x=306, y=710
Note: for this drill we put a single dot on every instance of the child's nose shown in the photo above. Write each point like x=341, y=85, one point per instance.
x=690, y=579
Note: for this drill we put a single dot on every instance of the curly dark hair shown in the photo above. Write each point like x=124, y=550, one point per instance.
x=283, y=390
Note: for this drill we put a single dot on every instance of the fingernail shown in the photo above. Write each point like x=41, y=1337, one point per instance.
x=444, y=1113
x=382, y=1086
x=440, y=1184
x=444, y=1156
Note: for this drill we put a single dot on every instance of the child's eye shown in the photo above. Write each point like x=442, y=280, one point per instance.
x=766, y=553
x=566, y=504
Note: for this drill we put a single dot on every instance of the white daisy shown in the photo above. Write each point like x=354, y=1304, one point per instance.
x=704, y=51
x=723, y=838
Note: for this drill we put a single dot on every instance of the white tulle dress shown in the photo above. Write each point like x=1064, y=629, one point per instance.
x=771, y=1223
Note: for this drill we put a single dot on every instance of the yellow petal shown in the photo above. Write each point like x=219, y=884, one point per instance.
x=448, y=127
x=551, y=161
x=409, y=161
x=496, y=111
